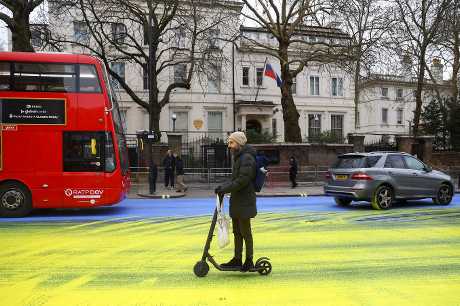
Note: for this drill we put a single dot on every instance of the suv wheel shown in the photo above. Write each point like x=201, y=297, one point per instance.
x=383, y=198
x=342, y=201
x=15, y=200
x=444, y=196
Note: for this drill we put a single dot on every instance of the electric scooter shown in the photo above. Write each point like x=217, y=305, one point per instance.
x=201, y=268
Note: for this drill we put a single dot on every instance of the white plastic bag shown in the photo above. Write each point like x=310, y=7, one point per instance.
x=222, y=225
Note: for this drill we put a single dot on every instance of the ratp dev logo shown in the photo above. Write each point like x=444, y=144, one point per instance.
x=84, y=193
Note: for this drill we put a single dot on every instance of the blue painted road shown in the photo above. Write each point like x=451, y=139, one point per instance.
x=136, y=209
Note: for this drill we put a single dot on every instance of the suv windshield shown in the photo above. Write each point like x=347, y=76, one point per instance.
x=356, y=161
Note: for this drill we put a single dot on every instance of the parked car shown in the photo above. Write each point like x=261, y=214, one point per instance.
x=385, y=177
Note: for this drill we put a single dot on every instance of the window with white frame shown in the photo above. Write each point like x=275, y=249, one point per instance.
x=118, y=68
x=119, y=32
x=179, y=73
x=337, y=127
x=384, y=115
x=81, y=33
x=399, y=116
x=215, y=125
x=358, y=119
x=399, y=93
x=294, y=84
x=259, y=76
x=337, y=87
x=314, y=85
x=213, y=75
x=179, y=36
x=384, y=92
x=213, y=39
x=314, y=126
x=245, y=79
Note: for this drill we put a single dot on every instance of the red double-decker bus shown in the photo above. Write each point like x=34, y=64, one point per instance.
x=61, y=136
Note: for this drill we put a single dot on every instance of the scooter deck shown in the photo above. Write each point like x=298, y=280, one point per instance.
x=237, y=269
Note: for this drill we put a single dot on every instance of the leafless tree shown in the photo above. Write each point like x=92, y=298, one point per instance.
x=157, y=36
x=289, y=22
x=19, y=24
x=415, y=34
x=366, y=21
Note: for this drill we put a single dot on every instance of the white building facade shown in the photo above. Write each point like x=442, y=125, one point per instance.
x=323, y=94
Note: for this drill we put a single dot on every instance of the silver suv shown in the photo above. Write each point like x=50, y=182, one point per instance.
x=384, y=177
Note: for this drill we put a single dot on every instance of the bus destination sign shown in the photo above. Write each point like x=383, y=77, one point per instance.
x=33, y=111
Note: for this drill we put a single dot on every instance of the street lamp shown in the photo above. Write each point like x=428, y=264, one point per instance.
x=174, y=117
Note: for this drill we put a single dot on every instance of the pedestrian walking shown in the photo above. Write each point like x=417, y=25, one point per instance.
x=153, y=174
x=293, y=171
x=181, y=187
x=168, y=164
x=242, y=199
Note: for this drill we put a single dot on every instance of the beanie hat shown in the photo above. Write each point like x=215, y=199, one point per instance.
x=238, y=137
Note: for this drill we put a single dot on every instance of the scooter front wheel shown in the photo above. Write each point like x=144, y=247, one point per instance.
x=201, y=268
x=264, y=267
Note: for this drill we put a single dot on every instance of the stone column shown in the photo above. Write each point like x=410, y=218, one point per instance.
x=405, y=143
x=243, y=123
x=357, y=141
x=427, y=147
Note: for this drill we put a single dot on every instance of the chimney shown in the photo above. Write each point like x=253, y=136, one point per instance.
x=437, y=69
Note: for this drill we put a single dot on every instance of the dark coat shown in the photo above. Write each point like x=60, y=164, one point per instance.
x=179, y=166
x=169, y=162
x=292, y=167
x=241, y=188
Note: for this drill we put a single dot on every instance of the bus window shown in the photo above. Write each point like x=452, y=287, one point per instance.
x=89, y=81
x=44, y=77
x=109, y=153
x=82, y=151
x=5, y=80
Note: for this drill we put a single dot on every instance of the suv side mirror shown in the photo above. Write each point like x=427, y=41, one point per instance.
x=428, y=168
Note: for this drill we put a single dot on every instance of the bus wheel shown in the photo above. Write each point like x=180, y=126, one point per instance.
x=15, y=200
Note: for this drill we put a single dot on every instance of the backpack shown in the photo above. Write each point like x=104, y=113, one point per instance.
x=261, y=173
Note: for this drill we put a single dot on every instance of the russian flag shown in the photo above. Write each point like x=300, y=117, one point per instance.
x=272, y=74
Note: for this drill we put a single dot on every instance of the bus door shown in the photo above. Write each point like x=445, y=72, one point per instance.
x=47, y=187
x=83, y=168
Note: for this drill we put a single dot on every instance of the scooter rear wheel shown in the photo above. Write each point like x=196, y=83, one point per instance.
x=264, y=267
x=201, y=268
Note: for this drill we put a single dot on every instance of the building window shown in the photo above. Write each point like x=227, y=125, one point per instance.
x=179, y=37
x=119, y=32
x=181, y=124
x=213, y=39
x=274, y=128
x=179, y=73
x=145, y=77
x=337, y=127
x=384, y=115
x=294, y=84
x=123, y=115
x=358, y=123
x=80, y=30
x=314, y=127
x=260, y=76
x=314, y=86
x=118, y=68
x=399, y=93
x=399, y=116
x=245, y=76
x=384, y=92
x=213, y=75
x=337, y=87
x=215, y=125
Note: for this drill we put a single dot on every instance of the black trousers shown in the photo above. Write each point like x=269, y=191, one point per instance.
x=292, y=178
x=242, y=231
x=169, y=177
x=153, y=183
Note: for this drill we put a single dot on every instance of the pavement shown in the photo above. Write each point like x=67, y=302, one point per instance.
x=205, y=190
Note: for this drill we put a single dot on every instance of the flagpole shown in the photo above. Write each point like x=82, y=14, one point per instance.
x=263, y=75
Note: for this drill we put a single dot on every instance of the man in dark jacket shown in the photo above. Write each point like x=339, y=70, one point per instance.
x=242, y=199
x=169, y=165
x=293, y=171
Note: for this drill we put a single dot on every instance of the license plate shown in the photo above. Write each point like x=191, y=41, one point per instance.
x=341, y=177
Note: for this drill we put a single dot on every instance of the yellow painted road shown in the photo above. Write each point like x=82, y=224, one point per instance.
x=401, y=257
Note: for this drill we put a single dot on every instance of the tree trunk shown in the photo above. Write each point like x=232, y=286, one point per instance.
x=357, y=89
x=418, y=92
x=455, y=67
x=290, y=114
x=21, y=30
